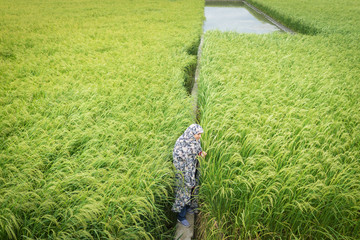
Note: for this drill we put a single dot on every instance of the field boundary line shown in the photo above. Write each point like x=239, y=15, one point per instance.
x=184, y=233
x=276, y=23
x=194, y=90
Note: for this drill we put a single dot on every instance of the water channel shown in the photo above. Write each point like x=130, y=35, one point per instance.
x=236, y=16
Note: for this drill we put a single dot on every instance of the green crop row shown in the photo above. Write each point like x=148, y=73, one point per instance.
x=282, y=125
x=313, y=17
x=281, y=118
x=92, y=100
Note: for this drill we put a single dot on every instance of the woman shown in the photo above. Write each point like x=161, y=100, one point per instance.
x=187, y=148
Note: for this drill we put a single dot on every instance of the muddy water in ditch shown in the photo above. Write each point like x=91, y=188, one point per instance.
x=235, y=16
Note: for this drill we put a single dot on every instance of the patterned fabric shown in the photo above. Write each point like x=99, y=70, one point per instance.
x=187, y=177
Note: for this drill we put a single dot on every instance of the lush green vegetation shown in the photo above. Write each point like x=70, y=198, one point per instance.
x=92, y=101
x=313, y=17
x=281, y=115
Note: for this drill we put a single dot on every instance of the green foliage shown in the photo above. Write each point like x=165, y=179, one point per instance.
x=314, y=16
x=281, y=115
x=282, y=125
x=92, y=101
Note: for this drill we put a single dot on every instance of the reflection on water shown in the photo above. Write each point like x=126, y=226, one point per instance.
x=235, y=16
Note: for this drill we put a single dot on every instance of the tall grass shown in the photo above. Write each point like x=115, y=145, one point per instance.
x=314, y=16
x=281, y=115
x=92, y=100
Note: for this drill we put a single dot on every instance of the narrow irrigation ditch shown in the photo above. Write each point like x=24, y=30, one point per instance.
x=191, y=86
x=194, y=90
x=192, y=70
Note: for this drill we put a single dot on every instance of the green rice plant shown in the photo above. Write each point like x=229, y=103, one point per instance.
x=92, y=101
x=314, y=17
x=281, y=119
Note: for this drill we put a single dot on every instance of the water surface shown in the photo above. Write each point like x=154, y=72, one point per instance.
x=235, y=16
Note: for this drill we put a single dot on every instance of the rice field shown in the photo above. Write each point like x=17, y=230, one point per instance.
x=282, y=124
x=315, y=17
x=92, y=100
x=94, y=94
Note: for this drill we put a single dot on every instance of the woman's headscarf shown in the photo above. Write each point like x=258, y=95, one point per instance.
x=187, y=145
x=191, y=131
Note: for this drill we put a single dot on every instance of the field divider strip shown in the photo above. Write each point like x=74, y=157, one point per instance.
x=194, y=91
x=184, y=233
x=279, y=25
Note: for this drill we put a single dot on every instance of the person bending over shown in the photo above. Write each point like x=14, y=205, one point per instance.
x=186, y=150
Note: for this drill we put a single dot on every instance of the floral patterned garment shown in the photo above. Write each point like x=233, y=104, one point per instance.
x=186, y=149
